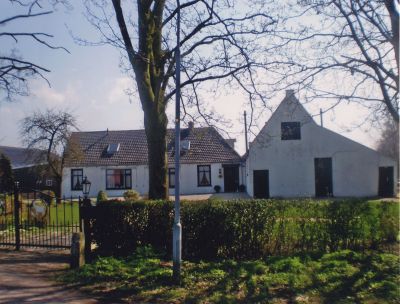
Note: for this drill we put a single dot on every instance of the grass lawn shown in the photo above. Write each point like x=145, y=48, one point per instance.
x=67, y=213
x=64, y=214
x=339, y=277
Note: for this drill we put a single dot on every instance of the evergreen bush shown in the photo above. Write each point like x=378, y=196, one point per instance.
x=131, y=195
x=244, y=229
x=102, y=196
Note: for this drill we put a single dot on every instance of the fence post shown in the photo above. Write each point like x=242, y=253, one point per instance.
x=77, y=250
x=16, y=216
x=84, y=213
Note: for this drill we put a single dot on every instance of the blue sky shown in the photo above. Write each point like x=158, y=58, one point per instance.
x=89, y=83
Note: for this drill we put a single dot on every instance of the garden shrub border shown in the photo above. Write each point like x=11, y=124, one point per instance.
x=244, y=229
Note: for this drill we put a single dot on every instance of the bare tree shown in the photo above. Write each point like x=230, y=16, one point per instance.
x=221, y=45
x=50, y=131
x=15, y=71
x=343, y=51
x=388, y=144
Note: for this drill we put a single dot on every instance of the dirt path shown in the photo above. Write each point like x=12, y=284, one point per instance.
x=27, y=277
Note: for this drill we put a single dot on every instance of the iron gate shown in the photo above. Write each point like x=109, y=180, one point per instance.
x=37, y=219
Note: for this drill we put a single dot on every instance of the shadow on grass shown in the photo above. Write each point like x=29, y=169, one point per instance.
x=339, y=277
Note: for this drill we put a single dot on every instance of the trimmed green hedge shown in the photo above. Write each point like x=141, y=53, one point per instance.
x=244, y=229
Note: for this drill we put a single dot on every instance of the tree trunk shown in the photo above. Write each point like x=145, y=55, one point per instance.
x=148, y=64
x=58, y=189
x=155, y=121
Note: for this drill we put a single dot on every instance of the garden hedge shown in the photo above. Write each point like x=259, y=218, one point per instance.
x=244, y=229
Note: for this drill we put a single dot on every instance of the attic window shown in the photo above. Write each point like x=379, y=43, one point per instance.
x=185, y=145
x=290, y=130
x=112, y=148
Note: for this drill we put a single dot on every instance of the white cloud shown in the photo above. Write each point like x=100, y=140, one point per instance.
x=49, y=96
x=117, y=92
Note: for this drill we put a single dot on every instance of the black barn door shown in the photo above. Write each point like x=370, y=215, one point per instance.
x=261, y=183
x=231, y=178
x=386, y=181
x=323, y=176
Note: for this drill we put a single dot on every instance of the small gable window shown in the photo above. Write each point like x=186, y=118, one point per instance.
x=290, y=130
x=171, y=177
x=76, y=179
x=204, y=175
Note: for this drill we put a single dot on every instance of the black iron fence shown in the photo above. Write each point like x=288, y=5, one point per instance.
x=36, y=219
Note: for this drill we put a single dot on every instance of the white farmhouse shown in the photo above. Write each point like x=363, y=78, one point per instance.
x=292, y=156
x=115, y=161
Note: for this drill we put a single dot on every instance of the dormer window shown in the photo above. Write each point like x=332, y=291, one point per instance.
x=290, y=130
x=185, y=145
x=112, y=148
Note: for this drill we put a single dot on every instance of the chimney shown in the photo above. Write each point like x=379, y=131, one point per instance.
x=231, y=142
x=191, y=125
x=289, y=93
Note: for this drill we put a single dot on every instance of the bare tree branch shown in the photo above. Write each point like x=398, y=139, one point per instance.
x=15, y=71
x=50, y=131
x=351, y=50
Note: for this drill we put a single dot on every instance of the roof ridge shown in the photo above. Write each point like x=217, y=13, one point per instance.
x=131, y=130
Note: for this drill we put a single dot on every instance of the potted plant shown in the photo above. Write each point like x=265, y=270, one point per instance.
x=217, y=188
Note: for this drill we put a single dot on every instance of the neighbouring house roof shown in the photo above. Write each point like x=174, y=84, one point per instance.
x=23, y=157
x=206, y=146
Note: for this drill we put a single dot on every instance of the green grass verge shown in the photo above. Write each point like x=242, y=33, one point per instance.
x=339, y=277
x=64, y=214
x=61, y=214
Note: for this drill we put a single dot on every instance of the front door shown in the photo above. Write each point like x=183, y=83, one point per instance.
x=323, y=176
x=385, y=181
x=231, y=178
x=261, y=183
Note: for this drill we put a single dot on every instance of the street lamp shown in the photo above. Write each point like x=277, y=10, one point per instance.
x=86, y=187
x=177, y=228
x=83, y=213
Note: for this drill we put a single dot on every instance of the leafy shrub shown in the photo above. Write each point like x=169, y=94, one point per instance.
x=131, y=195
x=48, y=196
x=102, y=196
x=243, y=229
x=6, y=203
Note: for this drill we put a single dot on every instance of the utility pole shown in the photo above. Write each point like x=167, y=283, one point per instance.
x=245, y=131
x=177, y=229
x=320, y=115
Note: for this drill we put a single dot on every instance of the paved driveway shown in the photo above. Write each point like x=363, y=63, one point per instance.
x=26, y=277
